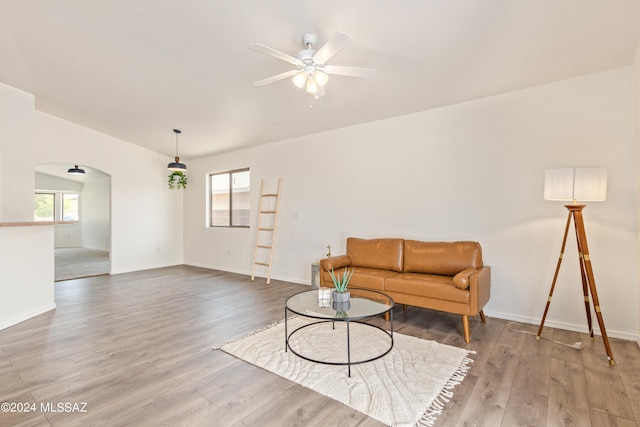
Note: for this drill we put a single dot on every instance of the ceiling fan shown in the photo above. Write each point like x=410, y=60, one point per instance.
x=311, y=69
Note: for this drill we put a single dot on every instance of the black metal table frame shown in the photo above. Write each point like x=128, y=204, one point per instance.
x=348, y=363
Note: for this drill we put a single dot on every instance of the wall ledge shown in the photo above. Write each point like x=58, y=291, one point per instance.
x=33, y=223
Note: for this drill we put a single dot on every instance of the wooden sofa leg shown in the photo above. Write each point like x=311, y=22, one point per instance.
x=465, y=328
x=484, y=319
x=386, y=316
x=404, y=307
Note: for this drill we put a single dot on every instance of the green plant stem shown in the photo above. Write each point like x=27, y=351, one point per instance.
x=341, y=283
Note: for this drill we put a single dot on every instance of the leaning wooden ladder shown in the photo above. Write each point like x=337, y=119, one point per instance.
x=267, y=224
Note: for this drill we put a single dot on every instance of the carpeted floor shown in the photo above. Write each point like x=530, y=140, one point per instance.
x=73, y=263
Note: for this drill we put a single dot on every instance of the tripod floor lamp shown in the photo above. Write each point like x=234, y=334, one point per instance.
x=584, y=185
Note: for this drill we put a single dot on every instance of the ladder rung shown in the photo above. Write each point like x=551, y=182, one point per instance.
x=264, y=247
x=266, y=229
x=268, y=212
x=262, y=263
x=269, y=195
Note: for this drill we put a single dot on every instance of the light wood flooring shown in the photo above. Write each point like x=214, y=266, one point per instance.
x=137, y=349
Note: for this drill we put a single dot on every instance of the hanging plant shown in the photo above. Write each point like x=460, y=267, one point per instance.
x=177, y=180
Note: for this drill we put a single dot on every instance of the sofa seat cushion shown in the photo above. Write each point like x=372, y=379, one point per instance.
x=427, y=285
x=366, y=278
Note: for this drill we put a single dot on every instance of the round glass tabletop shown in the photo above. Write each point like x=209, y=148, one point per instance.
x=363, y=303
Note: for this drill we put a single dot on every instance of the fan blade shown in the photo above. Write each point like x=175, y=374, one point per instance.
x=349, y=71
x=275, y=53
x=277, y=77
x=335, y=44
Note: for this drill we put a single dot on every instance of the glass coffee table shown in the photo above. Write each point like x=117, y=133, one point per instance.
x=363, y=304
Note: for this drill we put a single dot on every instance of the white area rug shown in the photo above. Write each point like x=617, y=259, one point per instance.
x=409, y=386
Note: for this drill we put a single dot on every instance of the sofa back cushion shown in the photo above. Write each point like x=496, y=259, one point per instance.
x=442, y=258
x=383, y=254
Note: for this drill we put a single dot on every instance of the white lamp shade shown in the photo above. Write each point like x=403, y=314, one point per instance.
x=320, y=78
x=300, y=79
x=576, y=184
x=312, y=86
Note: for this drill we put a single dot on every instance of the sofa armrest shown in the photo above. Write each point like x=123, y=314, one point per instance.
x=335, y=262
x=479, y=289
x=461, y=280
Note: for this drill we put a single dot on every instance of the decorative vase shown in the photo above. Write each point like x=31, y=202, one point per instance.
x=341, y=307
x=341, y=296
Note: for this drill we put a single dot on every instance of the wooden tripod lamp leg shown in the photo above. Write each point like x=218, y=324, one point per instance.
x=582, y=237
x=583, y=276
x=555, y=276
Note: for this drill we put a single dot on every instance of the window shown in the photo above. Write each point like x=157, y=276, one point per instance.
x=229, y=198
x=44, y=207
x=69, y=207
x=56, y=207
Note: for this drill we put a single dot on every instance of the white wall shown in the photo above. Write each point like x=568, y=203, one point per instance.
x=16, y=129
x=67, y=236
x=26, y=263
x=469, y=171
x=146, y=217
x=95, y=214
x=26, y=253
x=46, y=182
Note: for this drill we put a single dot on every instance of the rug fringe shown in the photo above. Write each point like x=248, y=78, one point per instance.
x=435, y=409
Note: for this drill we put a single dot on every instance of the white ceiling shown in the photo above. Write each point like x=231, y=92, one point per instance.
x=136, y=69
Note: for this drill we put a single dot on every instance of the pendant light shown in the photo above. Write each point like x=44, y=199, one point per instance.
x=177, y=166
x=75, y=171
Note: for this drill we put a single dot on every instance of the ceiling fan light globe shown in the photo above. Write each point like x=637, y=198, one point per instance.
x=300, y=79
x=312, y=86
x=320, y=77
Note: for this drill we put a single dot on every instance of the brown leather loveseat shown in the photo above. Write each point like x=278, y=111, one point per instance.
x=445, y=276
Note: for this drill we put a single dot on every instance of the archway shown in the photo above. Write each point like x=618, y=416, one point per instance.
x=83, y=203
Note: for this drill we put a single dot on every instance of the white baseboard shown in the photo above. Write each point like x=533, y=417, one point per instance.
x=217, y=267
x=142, y=268
x=248, y=273
x=26, y=316
x=562, y=325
